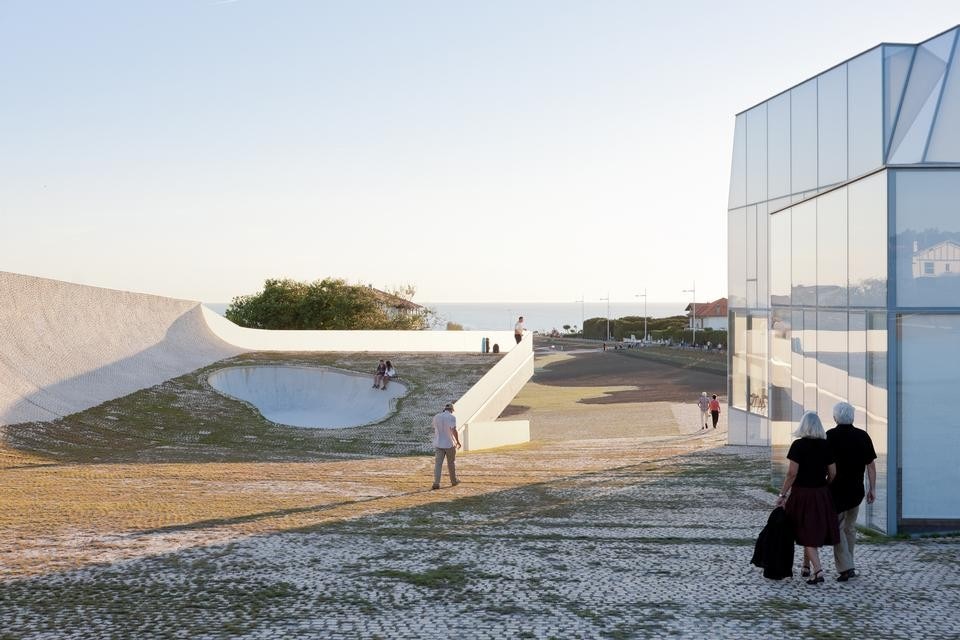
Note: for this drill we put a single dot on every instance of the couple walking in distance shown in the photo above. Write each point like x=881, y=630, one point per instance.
x=824, y=488
x=709, y=406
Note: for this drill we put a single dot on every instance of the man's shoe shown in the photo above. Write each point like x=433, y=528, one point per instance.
x=454, y=483
x=434, y=487
x=846, y=575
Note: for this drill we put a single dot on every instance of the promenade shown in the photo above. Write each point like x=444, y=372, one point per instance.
x=620, y=520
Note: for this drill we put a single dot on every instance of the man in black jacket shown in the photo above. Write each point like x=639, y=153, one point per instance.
x=853, y=451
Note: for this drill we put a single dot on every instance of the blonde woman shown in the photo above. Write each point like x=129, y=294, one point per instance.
x=805, y=493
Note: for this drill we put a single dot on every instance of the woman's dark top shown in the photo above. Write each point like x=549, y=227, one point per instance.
x=813, y=456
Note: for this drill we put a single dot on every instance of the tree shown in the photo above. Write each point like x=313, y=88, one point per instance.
x=566, y=328
x=330, y=303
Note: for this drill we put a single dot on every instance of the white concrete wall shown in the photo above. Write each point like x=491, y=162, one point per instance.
x=66, y=347
x=480, y=406
x=374, y=341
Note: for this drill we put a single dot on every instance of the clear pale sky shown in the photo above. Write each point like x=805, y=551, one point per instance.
x=493, y=150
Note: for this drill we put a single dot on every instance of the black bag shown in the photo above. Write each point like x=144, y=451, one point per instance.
x=774, y=549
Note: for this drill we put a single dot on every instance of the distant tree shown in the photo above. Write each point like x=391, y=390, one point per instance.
x=330, y=303
x=454, y=326
x=566, y=328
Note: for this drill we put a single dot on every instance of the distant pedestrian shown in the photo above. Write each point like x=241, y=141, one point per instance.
x=518, y=330
x=853, y=451
x=446, y=441
x=378, y=376
x=714, y=410
x=806, y=495
x=704, y=403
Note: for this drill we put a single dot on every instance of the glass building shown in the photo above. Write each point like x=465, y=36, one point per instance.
x=844, y=270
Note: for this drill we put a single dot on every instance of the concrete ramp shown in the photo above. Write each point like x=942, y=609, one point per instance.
x=66, y=347
x=318, y=397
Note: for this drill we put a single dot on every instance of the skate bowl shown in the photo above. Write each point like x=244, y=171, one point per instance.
x=314, y=397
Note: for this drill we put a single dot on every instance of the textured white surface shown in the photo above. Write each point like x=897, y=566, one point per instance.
x=67, y=347
x=318, y=397
x=351, y=341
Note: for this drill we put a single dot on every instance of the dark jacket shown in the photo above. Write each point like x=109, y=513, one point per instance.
x=774, y=549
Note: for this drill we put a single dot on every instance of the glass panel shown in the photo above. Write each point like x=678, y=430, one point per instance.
x=857, y=362
x=803, y=136
x=945, y=139
x=810, y=360
x=876, y=514
x=752, y=294
x=738, y=362
x=757, y=154
x=780, y=385
x=831, y=362
x=778, y=146
x=832, y=126
x=929, y=352
x=757, y=364
x=927, y=238
x=896, y=60
x=796, y=363
x=804, y=254
x=780, y=258
x=867, y=208
x=751, y=243
x=762, y=245
x=737, y=247
x=738, y=168
x=832, y=249
x=920, y=100
x=865, y=115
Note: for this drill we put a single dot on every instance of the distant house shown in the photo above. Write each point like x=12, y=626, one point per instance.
x=942, y=259
x=709, y=315
x=395, y=306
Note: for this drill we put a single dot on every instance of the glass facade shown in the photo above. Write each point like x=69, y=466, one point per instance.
x=844, y=269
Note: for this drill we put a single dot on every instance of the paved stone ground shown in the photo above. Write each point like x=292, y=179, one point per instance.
x=643, y=527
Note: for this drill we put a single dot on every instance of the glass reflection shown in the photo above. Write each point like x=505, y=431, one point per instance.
x=738, y=165
x=867, y=211
x=832, y=126
x=832, y=249
x=927, y=238
x=757, y=154
x=738, y=361
x=757, y=365
x=778, y=146
x=865, y=113
x=831, y=362
x=876, y=420
x=804, y=254
x=737, y=260
x=803, y=136
x=780, y=258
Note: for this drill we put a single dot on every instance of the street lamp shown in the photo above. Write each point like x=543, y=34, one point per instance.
x=693, y=314
x=644, y=296
x=582, y=316
x=608, y=314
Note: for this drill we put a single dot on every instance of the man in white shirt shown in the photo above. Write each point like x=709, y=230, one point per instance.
x=446, y=441
x=518, y=330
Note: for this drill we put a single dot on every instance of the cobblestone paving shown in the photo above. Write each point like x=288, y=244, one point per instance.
x=656, y=545
x=618, y=521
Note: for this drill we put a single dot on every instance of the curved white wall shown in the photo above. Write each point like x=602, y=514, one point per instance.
x=316, y=397
x=66, y=347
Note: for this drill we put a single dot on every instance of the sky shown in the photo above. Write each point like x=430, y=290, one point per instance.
x=492, y=150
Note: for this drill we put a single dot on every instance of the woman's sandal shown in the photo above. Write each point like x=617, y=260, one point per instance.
x=817, y=577
x=805, y=571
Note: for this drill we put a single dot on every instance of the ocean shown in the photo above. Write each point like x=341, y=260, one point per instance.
x=538, y=316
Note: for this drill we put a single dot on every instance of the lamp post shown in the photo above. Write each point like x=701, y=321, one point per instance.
x=583, y=331
x=608, y=314
x=644, y=296
x=693, y=309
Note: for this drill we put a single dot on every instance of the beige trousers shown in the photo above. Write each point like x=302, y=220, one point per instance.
x=451, y=455
x=843, y=552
